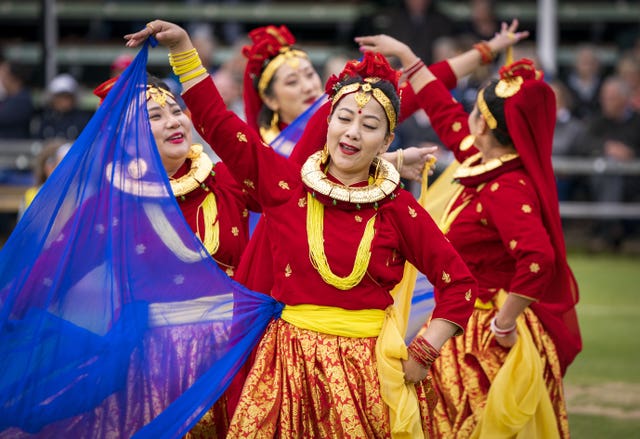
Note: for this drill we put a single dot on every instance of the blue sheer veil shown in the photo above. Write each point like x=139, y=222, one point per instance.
x=107, y=297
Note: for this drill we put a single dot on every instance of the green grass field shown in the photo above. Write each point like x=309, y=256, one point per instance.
x=603, y=384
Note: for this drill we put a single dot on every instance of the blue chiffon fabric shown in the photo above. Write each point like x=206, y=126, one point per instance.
x=103, y=288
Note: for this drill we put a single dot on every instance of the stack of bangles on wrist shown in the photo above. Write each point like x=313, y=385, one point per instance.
x=399, y=159
x=186, y=65
x=415, y=68
x=423, y=352
x=485, y=52
x=501, y=332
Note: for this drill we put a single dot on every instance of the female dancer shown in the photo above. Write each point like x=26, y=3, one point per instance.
x=341, y=230
x=504, y=376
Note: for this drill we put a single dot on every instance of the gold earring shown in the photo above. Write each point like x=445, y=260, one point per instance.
x=377, y=170
x=324, y=157
x=274, y=121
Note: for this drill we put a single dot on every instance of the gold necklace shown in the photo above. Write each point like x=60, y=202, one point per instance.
x=467, y=169
x=315, y=238
x=201, y=166
x=386, y=181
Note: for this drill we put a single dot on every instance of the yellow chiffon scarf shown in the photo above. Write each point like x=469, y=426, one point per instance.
x=400, y=397
x=518, y=403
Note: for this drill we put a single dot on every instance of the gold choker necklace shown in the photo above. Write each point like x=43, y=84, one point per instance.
x=201, y=166
x=386, y=181
x=468, y=169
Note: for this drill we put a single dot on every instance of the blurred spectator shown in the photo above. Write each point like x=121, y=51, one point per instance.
x=584, y=81
x=334, y=64
x=612, y=135
x=567, y=136
x=230, y=90
x=16, y=107
x=483, y=24
x=61, y=116
x=120, y=64
x=628, y=68
x=418, y=23
x=51, y=155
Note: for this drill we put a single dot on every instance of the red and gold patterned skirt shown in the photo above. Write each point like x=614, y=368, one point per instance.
x=468, y=364
x=306, y=384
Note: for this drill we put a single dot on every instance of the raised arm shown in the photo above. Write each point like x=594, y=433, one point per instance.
x=252, y=163
x=461, y=65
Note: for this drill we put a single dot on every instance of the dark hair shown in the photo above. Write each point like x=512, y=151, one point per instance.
x=157, y=82
x=266, y=114
x=496, y=106
x=385, y=86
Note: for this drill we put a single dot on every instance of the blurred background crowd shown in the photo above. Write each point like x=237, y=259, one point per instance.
x=596, y=78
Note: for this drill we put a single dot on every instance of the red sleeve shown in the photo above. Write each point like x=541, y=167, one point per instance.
x=430, y=252
x=515, y=212
x=313, y=136
x=257, y=167
x=448, y=118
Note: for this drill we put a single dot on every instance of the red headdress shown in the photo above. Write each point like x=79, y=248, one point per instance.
x=372, y=68
x=271, y=46
x=530, y=115
x=103, y=89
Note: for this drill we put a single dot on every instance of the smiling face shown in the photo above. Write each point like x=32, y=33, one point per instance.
x=294, y=89
x=355, y=136
x=171, y=129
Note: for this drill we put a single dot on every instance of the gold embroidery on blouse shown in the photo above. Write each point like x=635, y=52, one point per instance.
x=467, y=142
x=412, y=212
x=534, y=267
x=526, y=208
x=249, y=183
x=283, y=184
x=287, y=271
x=229, y=272
x=386, y=182
x=467, y=296
x=479, y=207
x=446, y=277
x=522, y=182
x=235, y=231
x=242, y=137
x=302, y=202
x=201, y=166
x=456, y=126
x=358, y=218
x=484, y=221
x=245, y=213
x=495, y=186
x=512, y=244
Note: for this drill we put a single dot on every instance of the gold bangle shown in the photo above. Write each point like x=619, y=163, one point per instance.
x=399, y=159
x=185, y=78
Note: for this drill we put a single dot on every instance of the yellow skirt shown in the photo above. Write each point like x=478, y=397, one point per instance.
x=468, y=365
x=306, y=384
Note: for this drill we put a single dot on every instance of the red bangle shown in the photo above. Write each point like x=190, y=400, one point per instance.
x=485, y=52
x=423, y=352
x=415, y=67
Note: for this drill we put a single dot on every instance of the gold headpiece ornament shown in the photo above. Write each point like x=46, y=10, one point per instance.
x=486, y=113
x=159, y=95
x=288, y=55
x=364, y=91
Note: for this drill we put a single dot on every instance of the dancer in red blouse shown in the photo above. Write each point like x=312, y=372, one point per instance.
x=504, y=376
x=213, y=204
x=341, y=228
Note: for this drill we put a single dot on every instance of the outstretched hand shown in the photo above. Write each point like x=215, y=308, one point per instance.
x=384, y=44
x=508, y=36
x=168, y=34
x=415, y=159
